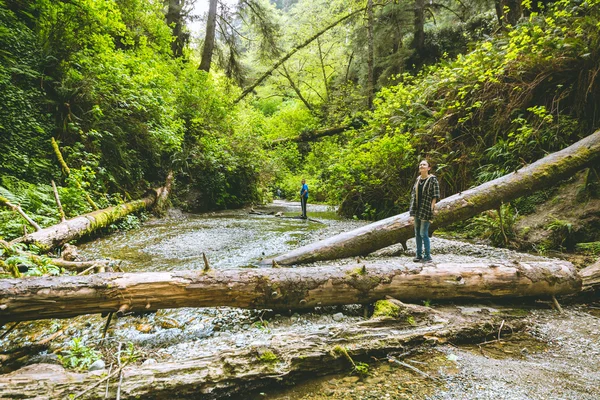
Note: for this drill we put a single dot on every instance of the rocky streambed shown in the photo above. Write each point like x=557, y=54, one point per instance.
x=551, y=356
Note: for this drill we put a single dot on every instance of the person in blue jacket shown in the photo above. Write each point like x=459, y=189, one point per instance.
x=304, y=197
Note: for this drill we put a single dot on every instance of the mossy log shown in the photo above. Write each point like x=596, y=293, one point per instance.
x=311, y=136
x=74, y=228
x=542, y=174
x=280, y=288
x=286, y=358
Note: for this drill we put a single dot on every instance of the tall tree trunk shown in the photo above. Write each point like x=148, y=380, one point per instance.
x=515, y=11
x=370, y=55
x=209, y=39
x=175, y=21
x=398, y=229
x=280, y=288
x=419, y=27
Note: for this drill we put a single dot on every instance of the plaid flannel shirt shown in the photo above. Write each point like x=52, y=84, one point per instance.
x=431, y=190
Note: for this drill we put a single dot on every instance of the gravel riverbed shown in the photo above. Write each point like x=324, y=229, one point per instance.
x=557, y=358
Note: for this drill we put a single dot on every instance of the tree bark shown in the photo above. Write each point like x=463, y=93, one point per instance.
x=370, y=55
x=398, y=229
x=232, y=373
x=419, y=26
x=279, y=288
x=74, y=228
x=314, y=135
x=590, y=276
x=175, y=20
x=209, y=39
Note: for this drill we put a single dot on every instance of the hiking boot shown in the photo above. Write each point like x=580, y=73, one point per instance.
x=427, y=259
x=417, y=259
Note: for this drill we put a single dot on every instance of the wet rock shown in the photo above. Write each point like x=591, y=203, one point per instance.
x=149, y=361
x=144, y=328
x=160, y=339
x=337, y=317
x=69, y=252
x=169, y=323
x=97, y=365
x=44, y=359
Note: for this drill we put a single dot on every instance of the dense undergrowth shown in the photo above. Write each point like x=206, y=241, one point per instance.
x=100, y=79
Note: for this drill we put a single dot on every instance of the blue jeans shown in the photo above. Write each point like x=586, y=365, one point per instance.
x=422, y=238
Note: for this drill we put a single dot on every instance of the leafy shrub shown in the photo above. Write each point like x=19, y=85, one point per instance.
x=490, y=226
x=78, y=356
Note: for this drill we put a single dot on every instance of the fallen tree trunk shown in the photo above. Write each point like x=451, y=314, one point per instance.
x=74, y=228
x=313, y=135
x=280, y=288
x=398, y=229
x=233, y=373
x=590, y=277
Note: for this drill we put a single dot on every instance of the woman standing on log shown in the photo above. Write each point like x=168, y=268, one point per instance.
x=425, y=193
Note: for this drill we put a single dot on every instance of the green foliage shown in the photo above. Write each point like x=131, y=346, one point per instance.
x=263, y=326
x=488, y=225
x=268, y=357
x=130, y=355
x=78, y=356
x=385, y=308
x=362, y=369
x=591, y=248
x=561, y=230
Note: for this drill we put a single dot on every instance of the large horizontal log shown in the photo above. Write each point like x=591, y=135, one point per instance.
x=398, y=229
x=231, y=374
x=74, y=228
x=280, y=288
x=312, y=135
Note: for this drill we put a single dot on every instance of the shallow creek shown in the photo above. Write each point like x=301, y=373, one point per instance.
x=557, y=358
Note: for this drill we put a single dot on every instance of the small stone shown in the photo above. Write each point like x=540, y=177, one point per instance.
x=168, y=323
x=97, y=365
x=149, y=361
x=144, y=328
x=338, y=317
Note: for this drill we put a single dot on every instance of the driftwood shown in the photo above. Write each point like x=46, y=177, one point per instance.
x=398, y=229
x=590, y=276
x=235, y=372
x=74, y=228
x=280, y=288
x=61, y=212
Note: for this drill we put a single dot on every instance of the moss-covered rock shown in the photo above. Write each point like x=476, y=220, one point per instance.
x=385, y=308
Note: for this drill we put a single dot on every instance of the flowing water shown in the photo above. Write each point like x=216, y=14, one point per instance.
x=230, y=239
